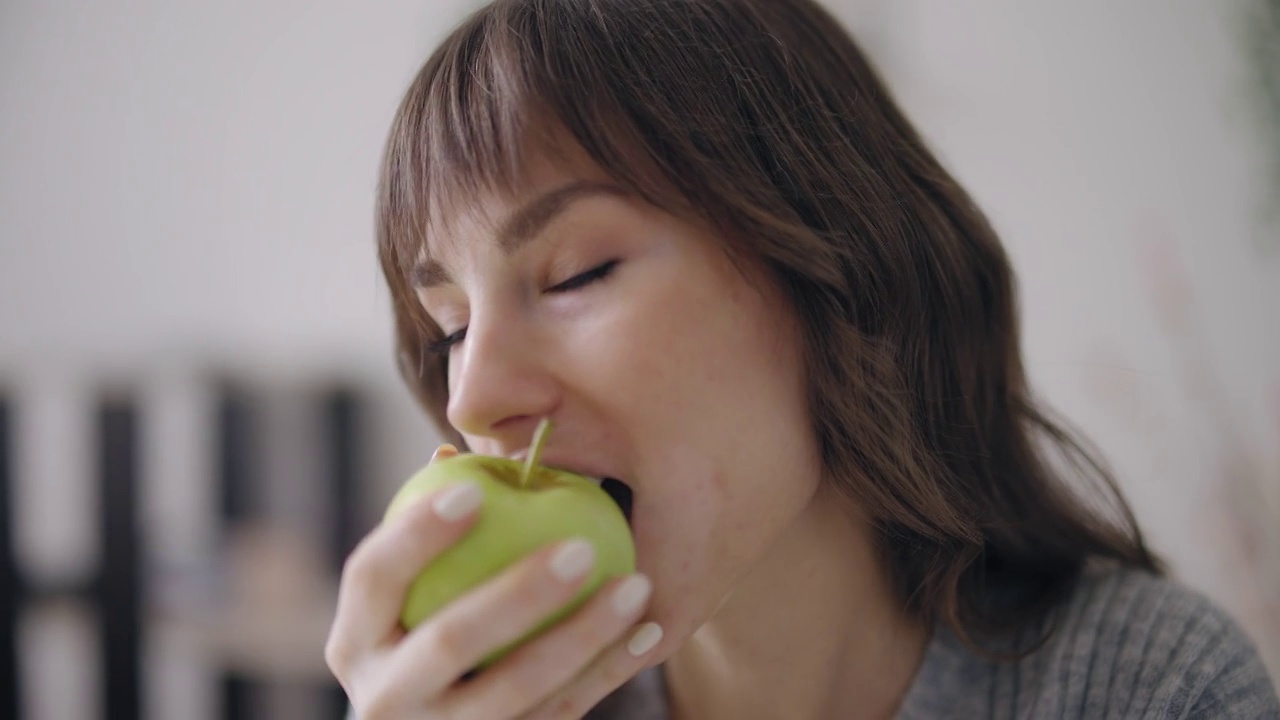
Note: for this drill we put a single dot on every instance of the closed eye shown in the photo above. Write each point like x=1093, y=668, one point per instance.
x=577, y=282
x=446, y=343
x=582, y=280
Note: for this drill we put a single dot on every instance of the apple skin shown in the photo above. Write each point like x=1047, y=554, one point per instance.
x=514, y=521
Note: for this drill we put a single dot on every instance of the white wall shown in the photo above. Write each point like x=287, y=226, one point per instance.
x=181, y=180
x=186, y=176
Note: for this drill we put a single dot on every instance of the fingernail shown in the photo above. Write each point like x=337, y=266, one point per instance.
x=645, y=639
x=631, y=594
x=445, y=449
x=573, y=560
x=458, y=501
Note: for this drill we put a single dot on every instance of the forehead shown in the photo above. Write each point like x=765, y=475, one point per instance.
x=502, y=200
x=486, y=211
x=505, y=220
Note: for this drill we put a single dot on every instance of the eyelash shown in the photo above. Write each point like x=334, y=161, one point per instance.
x=577, y=282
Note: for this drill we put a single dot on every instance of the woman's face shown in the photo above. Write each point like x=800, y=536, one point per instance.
x=659, y=362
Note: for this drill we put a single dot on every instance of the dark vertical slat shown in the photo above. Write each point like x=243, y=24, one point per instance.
x=10, y=587
x=238, y=697
x=120, y=584
x=238, y=471
x=236, y=456
x=343, y=459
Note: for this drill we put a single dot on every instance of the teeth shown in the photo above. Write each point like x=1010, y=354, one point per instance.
x=596, y=480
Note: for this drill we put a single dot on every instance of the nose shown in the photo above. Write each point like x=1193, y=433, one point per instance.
x=501, y=384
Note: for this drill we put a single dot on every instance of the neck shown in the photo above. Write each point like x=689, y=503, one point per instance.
x=813, y=632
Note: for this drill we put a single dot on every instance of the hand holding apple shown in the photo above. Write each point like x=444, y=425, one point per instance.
x=526, y=507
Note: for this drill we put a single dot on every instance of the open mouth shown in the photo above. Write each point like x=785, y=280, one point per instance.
x=621, y=494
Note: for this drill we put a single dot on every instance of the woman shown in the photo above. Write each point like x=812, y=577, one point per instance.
x=701, y=238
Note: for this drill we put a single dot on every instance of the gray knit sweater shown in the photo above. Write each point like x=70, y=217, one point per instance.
x=1127, y=645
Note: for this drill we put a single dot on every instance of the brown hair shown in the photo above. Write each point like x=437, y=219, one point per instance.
x=764, y=119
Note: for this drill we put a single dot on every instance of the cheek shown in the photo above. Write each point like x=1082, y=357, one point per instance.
x=672, y=351
x=683, y=538
x=718, y=420
x=640, y=360
x=709, y=367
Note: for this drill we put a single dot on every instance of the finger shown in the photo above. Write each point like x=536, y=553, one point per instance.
x=497, y=613
x=535, y=671
x=446, y=450
x=378, y=572
x=621, y=662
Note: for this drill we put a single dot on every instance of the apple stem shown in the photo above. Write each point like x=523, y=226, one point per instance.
x=535, y=450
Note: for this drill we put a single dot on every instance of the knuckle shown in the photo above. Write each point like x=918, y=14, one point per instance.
x=522, y=688
x=595, y=631
x=602, y=633
x=447, y=642
x=619, y=667
x=362, y=573
x=382, y=703
x=377, y=707
x=613, y=673
x=567, y=707
x=356, y=567
x=337, y=655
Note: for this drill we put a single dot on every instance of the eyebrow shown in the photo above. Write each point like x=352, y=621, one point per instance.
x=522, y=226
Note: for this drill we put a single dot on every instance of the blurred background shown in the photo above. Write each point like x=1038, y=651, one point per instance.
x=199, y=413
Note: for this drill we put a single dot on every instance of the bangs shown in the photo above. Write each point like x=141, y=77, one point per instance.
x=697, y=109
x=513, y=83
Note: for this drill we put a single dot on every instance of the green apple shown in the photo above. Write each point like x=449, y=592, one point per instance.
x=526, y=507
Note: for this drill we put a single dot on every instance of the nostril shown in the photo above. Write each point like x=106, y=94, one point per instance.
x=621, y=494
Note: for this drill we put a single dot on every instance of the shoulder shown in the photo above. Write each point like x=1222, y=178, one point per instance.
x=1125, y=643
x=1167, y=651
